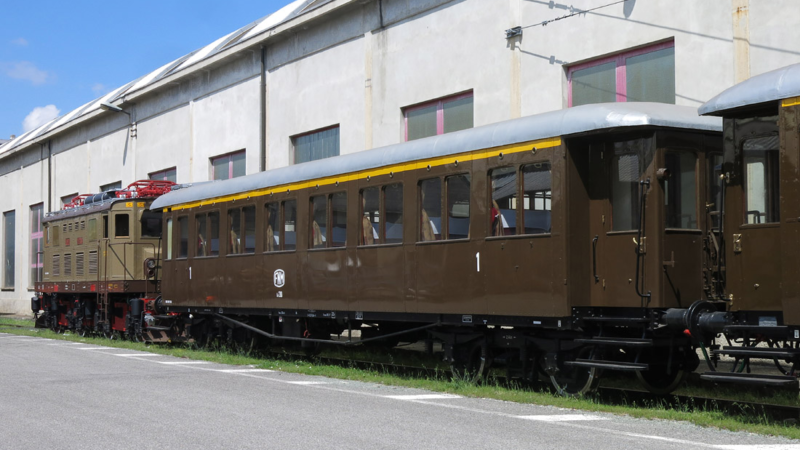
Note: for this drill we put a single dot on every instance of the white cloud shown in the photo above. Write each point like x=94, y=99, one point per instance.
x=26, y=70
x=100, y=89
x=22, y=42
x=39, y=116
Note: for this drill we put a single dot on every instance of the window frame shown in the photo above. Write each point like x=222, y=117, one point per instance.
x=620, y=59
x=194, y=233
x=110, y=186
x=328, y=243
x=229, y=156
x=36, y=261
x=439, y=103
x=163, y=174
x=13, y=215
x=293, y=141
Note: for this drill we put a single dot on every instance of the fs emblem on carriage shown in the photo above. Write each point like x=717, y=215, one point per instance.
x=279, y=278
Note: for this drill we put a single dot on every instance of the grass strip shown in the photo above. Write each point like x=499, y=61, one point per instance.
x=655, y=410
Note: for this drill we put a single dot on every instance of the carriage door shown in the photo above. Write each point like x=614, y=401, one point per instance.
x=615, y=169
x=754, y=247
x=683, y=235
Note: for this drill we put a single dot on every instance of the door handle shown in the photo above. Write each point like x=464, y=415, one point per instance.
x=594, y=258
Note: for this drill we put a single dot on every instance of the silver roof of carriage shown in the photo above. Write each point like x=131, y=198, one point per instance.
x=294, y=9
x=776, y=85
x=564, y=122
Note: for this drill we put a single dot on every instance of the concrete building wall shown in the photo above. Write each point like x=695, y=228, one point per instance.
x=360, y=64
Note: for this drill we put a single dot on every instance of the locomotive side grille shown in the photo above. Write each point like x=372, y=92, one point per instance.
x=56, y=265
x=79, y=264
x=68, y=265
x=93, y=263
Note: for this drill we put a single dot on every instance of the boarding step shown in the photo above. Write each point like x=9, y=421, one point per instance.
x=608, y=365
x=755, y=329
x=758, y=352
x=624, y=320
x=617, y=342
x=753, y=379
x=157, y=328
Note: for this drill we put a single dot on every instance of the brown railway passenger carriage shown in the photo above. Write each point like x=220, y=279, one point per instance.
x=552, y=244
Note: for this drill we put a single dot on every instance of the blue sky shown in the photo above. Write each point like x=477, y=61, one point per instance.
x=58, y=55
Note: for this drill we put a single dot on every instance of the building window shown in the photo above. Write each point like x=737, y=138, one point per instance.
x=111, y=186
x=67, y=199
x=316, y=145
x=9, y=256
x=439, y=116
x=37, y=236
x=642, y=75
x=228, y=166
x=165, y=175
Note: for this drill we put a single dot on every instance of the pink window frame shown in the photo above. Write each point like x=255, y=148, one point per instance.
x=439, y=111
x=162, y=174
x=621, y=70
x=230, y=163
x=37, y=259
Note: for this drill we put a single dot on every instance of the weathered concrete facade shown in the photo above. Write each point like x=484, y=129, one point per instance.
x=357, y=64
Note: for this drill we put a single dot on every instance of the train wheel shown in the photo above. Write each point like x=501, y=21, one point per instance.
x=83, y=332
x=576, y=381
x=472, y=362
x=660, y=382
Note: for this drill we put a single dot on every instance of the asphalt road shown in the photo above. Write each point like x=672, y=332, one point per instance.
x=64, y=395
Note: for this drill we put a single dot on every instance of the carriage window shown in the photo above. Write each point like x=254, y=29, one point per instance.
x=208, y=234
x=249, y=240
x=625, y=192
x=93, y=229
x=458, y=206
x=319, y=221
x=169, y=238
x=537, y=198
x=503, y=217
x=235, y=233
x=202, y=235
x=183, y=243
x=121, y=225
x=371, y=216
x=680, y=193
x=430, y=210
x=715, y=188
x=339, y=219
x=289, y=241
x=393, y=206
x=272, y=231
x=151, y=224
x=762, y=190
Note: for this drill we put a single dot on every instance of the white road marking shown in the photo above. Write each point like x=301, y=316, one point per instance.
x=136, y=354
x=760, y=447
x=242, y=370
x=181, y=362
x=421, y=396
x=561, y=417
x=95, y=348
x=304, y=383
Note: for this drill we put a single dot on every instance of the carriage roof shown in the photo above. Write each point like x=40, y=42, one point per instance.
x=776, y=85
x=561, y=123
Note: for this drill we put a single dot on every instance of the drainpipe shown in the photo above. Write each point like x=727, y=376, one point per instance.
x=49, y=176
x=262, y=128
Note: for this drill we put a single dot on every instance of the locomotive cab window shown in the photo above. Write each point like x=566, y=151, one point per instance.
x=761, y=180
x=151, y=224
x=680, y=190
x=122, y=226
